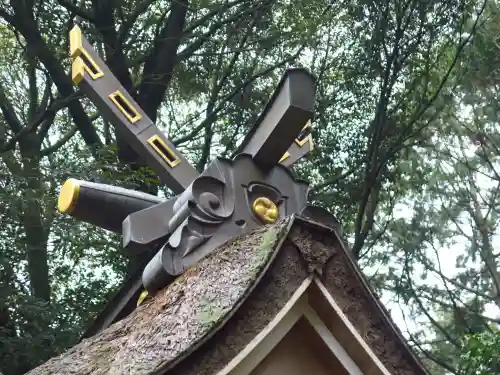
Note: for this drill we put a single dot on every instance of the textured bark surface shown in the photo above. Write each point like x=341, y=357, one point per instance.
x=348, y=288
x=309, y=248
x=179, y=317
x=286, y=274
x=209, y=314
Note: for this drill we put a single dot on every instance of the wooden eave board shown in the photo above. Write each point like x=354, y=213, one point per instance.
x=311, y=303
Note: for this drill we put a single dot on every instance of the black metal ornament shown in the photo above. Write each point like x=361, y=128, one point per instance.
x=229, y=198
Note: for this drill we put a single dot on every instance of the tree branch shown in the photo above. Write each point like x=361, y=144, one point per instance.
x=129, y=22
x=202, y=39
x=32, y=88
x=115, y=57
x=159, y=65
x=76, y=10
x=24, y=22
x=223, y=101
x=8, y=112
x=45, y=118
x=60, y=143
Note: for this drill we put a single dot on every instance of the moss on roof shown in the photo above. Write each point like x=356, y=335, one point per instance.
x=162, y=332
x=177, y=319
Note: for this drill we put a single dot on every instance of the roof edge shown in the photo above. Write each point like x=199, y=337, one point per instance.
x=278, y=244
x=352, y=263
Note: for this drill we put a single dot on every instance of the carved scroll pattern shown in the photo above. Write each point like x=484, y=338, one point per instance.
x=198, y=213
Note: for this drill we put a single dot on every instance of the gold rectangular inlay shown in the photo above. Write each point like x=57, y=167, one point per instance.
x=164, y=151
x=125, y=107
x=302, y=142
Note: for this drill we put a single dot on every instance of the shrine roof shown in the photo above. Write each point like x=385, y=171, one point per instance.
x=189, y=313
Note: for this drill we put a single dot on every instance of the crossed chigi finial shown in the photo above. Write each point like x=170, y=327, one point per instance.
x=229, y=198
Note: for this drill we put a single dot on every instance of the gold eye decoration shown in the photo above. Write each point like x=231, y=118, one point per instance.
x=265, y=209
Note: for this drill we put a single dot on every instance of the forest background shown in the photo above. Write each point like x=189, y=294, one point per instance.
x=407, y=147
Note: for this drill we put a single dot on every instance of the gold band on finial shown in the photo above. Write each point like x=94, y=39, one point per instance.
x=82, y=61
x=265, y=209
x=142, y=297
x=75, y=41
x=77, y=71
x=68, y=196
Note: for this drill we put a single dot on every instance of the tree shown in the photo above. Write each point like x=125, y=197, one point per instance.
x=443, y=267
x=387, y=77
x=480, y=355
x=205, y=58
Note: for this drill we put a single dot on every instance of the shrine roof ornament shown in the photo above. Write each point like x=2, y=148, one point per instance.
x=229, y=198
x=286, y=298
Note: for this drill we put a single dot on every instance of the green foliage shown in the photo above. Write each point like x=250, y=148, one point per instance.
x=406, y=147
x=481, y=354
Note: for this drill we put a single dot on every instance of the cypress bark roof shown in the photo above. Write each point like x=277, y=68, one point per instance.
x=178, y=317
x=162, y=332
